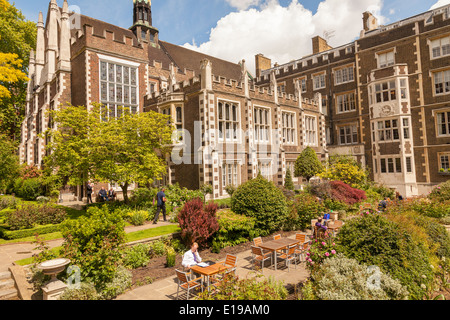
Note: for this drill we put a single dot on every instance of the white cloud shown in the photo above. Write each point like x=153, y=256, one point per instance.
x=243, y=4
x=282, y=33
x=440, y=3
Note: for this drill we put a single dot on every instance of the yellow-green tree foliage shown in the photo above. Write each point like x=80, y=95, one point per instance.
x=345, y=169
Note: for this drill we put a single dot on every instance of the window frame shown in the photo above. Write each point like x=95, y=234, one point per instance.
x=353, y=130
x=340, y=105
x=235, y=137
x=257, y=126
x=381, y=64
x=287, y=130
x=445, y=84
x=113, y=82
x=391, y=165
x=439, y=125
x=323, y=83
x=441, y=49
x=310, y=132
x=444, y=154
x=385, y=129
x=339, y=75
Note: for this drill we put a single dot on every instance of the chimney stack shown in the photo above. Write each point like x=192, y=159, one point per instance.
x=320, y=45
x=369, y=21
x=262, y=63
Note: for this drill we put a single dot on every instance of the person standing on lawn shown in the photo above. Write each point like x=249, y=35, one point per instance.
x=161, y=203
x=89, y=191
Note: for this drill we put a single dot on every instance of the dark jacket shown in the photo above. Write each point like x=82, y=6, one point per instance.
x=88, y=190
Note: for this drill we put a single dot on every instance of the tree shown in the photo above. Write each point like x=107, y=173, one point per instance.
x=18, y=38
x=346, y=169
x=9, y=162
x=120, y=150
x=308, y=164
x=289, y=184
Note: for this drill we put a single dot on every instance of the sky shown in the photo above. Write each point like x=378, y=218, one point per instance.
x=239, y=29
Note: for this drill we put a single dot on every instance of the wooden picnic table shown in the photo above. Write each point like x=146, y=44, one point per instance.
x=279, y=244
x=210, y=271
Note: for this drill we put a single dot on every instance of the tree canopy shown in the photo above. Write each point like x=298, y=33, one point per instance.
x=308, y=164
x=17, y=39
x=124, y=150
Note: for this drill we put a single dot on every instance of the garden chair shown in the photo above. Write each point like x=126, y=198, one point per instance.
x=289, y=256
x=257, y=242
x=259, y=255
x=302, y=249
x=301, y=236
x=277, y=237
x=336, y=226
x=186, y=284
x=230, y=261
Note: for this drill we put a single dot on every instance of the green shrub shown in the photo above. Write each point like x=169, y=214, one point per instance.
x=143, y=196
x=136, y=256
x=86, y=292
x=138, y=218
x=233, y=230
x=92, y=243
x=158, y=248
x=26, y=216
x=20, y=234
x=340, y=278
x=29, y=189
x=304, y=208
x=262, y=200
x=8, y=203
x=253, y=288
x=120, y=282
x=374, y=240
x=441, y=192
x=170, y=257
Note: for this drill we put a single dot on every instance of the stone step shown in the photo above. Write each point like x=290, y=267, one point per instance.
x=7, y=284
x=9, y=294
x=5, y=275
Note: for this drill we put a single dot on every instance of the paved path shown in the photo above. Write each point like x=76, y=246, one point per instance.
x=18, y=251
x=166, y=289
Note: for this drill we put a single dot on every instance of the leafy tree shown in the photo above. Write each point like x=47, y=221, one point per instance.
x=289, y=184
x=308, y=164
x=18, y=38
x=9, y=162
x=124, y=150
x=347, y=170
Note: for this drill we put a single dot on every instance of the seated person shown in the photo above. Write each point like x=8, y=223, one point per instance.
x=382, y=205
x=103, y=194
x=321, y=226
x=112, y=195
x=191, y=257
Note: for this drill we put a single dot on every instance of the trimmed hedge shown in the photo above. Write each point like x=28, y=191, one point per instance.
x=19, y=234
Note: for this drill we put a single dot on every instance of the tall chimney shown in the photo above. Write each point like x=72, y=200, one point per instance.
x=369, y=21
x=320, y=45
x=262, y=63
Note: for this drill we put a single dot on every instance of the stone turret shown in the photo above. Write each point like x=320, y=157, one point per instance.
x=40, y=49
x=142, y=22
x=51, y=51
x=64, y=53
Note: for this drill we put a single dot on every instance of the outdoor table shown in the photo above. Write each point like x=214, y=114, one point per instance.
x=209, y=271
x=276, y=245
x=333, y=229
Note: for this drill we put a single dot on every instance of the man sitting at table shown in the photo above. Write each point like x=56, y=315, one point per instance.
x=191, y=258
x=321, y=228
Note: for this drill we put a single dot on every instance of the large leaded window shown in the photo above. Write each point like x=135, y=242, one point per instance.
x=118, y=87
x=262, y=124
x=228, y=115
x=388, y=130
x=289, y=132
x=346, y=102
x=311, y=130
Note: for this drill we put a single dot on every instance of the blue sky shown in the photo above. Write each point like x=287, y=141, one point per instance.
x=237, y=29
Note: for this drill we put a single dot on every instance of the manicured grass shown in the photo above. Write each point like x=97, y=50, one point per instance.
x=46, y=237
x=150, y=233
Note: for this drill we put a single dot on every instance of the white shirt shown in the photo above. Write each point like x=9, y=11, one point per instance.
x=188, y=259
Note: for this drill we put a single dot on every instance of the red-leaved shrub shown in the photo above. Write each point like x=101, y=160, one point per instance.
x=341, y=191
x=198, y=222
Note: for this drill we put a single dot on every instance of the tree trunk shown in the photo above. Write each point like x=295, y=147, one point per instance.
x=125, y=192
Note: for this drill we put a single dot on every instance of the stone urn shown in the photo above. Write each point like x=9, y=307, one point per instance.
x=54, y=288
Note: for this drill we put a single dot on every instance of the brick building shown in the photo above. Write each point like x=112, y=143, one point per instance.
x=386, y=97
x=229, y=129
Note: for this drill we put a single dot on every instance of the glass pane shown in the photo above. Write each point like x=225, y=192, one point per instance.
x=179, y=115
x=104, y=93
x=119, y=74
x=119, y=91
x=234, y=113
x=133, y=77
x=220, y=111
x=227, y=111
x=112, y=92
x=111, y=75
x=133, y=95
x=126, y=75
x=126, y=95
x=104, y=71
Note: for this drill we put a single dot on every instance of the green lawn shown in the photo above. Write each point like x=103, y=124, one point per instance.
x=130, y=237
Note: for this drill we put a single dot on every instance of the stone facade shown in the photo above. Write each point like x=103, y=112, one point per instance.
x=386, y=97
x=235, y=128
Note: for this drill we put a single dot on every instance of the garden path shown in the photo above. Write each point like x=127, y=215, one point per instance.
x=18, y=251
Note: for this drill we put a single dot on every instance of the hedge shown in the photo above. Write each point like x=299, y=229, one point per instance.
x=19, y=234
